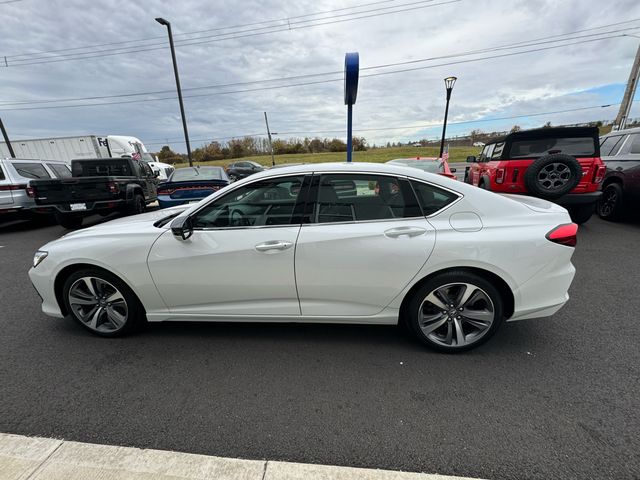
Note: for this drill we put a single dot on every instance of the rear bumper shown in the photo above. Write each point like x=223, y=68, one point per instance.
x=91, y=206
x=578, y=199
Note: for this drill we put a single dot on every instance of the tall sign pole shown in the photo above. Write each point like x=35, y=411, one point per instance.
x=6, y=139
x=627, y=99
x=273, y=160
x=351, y=73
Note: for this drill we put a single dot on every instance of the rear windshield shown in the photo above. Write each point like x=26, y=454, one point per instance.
x=537, y=147
x=61, y=171
x=202, y=173
x=101, y=168
x=30, y=170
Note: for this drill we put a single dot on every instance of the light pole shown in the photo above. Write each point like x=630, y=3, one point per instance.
x=448, y=83
x=167, y=24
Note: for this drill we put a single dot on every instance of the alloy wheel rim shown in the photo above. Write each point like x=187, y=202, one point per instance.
x=554, y=176
x=98, y=304
x=456, y=314
x=608, y=203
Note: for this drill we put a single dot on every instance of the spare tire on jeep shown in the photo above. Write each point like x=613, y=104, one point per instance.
x=552, y=176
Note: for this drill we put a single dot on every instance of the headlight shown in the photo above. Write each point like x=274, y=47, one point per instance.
x=38, y=257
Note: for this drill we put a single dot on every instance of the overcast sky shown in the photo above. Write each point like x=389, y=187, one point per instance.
x=392, y=106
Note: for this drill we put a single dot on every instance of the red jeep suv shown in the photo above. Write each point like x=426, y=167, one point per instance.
x=560, y=164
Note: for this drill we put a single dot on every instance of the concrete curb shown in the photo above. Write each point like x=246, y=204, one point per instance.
x=31, y=458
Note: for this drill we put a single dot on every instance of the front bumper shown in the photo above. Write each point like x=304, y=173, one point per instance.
x=572, y=199
x=42, y=280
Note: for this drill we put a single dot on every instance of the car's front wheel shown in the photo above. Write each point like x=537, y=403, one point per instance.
x=102, y=303
x=455, y=311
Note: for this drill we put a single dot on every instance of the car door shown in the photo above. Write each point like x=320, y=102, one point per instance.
x=631, y=158
x=478, y=167
x=363, y=240
x=240, y=258
x=148, y=180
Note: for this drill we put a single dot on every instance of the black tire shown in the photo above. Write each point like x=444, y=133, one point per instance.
x=582, y=213
x=69, y=221
x=418, y=305
x=135, y=313
x=137, y=205
x=484, y=184
x=611, y=203
x=552, y=176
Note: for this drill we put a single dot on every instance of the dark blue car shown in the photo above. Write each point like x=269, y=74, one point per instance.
x=191, y=184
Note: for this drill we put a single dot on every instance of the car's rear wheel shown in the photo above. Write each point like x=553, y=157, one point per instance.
x=582, y=213
x=455, y=311
x=102, y=303
x=610, y=206
x=137, y=205
x=69, y=221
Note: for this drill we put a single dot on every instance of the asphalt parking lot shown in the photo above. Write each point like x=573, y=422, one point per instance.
x=557, y=398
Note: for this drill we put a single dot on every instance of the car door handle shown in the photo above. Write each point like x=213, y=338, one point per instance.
x=408, y=231
x=273, y=245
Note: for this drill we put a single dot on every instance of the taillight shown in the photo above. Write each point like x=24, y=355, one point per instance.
x=113, y=187
x=13, y=186
x=599, y=176
x=500, y=175
x=31, y=192
x=566, y=234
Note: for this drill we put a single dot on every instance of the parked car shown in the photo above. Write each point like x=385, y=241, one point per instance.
x=478, y=144
x=162, y=170
x=621, y=186
x=191, y=184
x=239, y=170
x=560, y=164
x=427, y=164
x=16, y=197
x=101, y=185
x=335, y=243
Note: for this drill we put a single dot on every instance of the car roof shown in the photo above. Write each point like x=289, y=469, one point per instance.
x=623, y=132
x=417, y=159
x=31, y=160
x=546, y=132
x=363, y=167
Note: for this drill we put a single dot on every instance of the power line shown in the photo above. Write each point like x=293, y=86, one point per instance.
x=404, y=127
x=315, y=82
x=521, y=44
x=229, y=36
x=197, y=31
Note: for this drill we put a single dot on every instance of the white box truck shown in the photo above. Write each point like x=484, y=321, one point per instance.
x=67, y=148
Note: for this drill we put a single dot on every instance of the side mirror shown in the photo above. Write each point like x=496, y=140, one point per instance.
x=156, y=174
x=471, y=159
x=453, y=170
x=182, y=228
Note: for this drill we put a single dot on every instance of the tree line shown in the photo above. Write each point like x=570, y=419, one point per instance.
x=252, y=146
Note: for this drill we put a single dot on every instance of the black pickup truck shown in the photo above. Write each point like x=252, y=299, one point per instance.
x=97, y=186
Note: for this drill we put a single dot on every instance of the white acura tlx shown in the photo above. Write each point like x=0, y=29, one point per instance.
x=332, y=243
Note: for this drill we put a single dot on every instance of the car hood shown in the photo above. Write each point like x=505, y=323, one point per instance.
x=142, y=223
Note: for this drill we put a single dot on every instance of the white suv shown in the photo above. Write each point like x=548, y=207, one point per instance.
x=15, y=174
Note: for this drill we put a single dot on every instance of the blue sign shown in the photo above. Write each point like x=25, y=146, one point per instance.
x=351, y=73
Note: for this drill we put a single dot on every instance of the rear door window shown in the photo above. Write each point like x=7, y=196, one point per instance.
x=34, y=170
x=610, y=146
x=635, y=145
x=431, y=198
x=497, y=151
x=61, y=171
x=537, y=147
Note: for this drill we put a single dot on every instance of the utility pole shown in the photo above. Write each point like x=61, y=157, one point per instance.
x=627, y=99
x=6, y=139
x=273, y=160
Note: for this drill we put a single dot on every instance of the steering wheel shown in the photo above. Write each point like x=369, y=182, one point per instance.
x=236, y=219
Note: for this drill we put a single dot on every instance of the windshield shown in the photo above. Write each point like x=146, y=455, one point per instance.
x=199, y=173
x=432, y=166
x=147, y=157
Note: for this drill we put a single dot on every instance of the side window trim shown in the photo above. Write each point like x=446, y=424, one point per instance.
x=437, y=212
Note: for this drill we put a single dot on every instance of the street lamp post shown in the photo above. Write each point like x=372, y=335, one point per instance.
x=167, y=24
x=448, y=83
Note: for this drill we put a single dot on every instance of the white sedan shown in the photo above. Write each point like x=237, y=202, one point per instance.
x=332, y=243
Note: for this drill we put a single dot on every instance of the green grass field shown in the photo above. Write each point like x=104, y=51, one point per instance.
x=375, y=155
